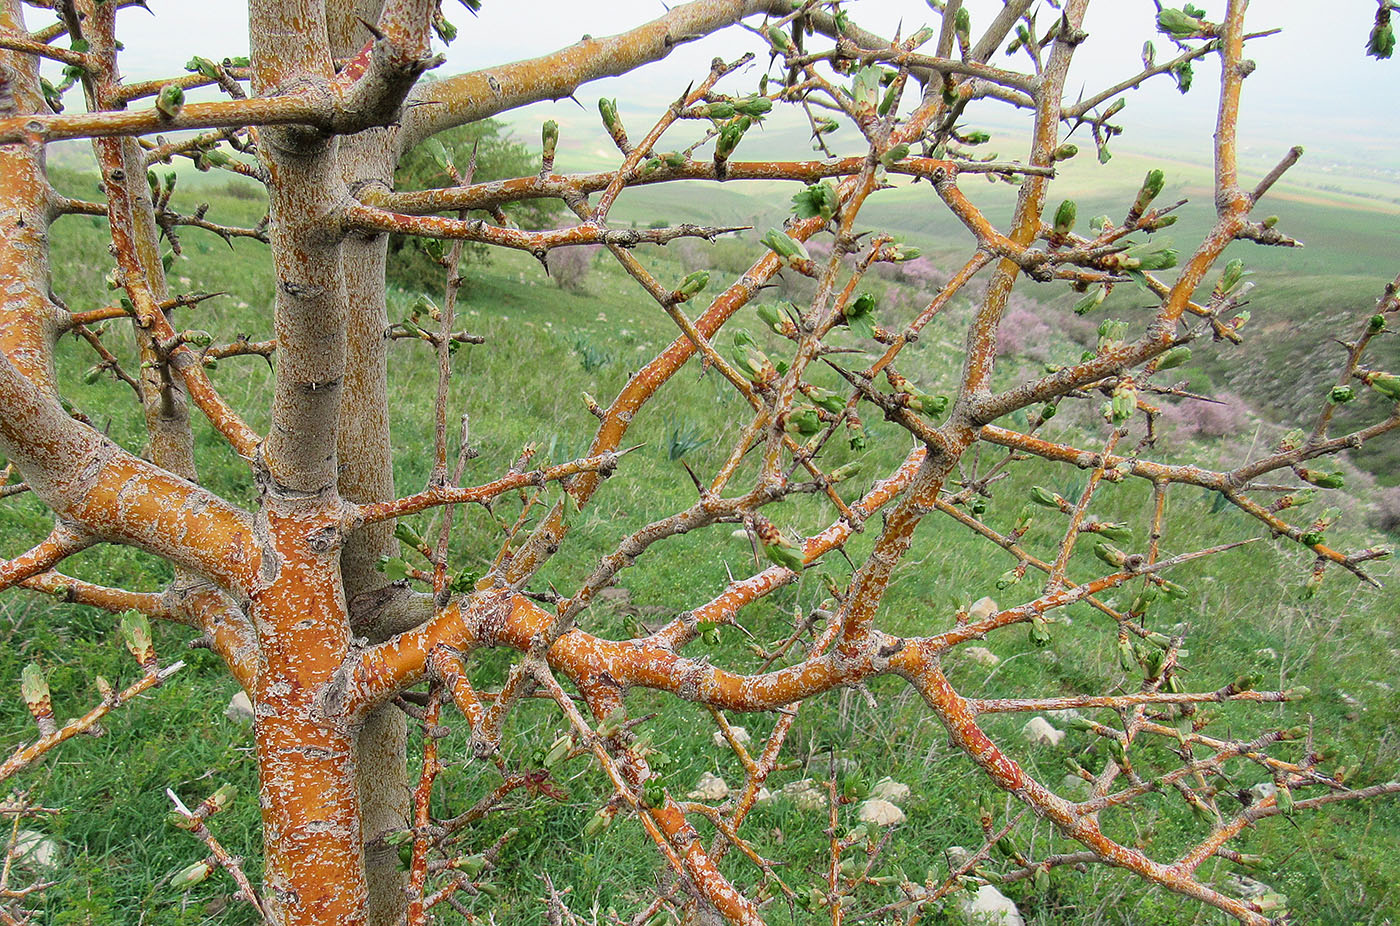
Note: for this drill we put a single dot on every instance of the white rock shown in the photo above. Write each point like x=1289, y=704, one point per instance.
x=981, y=655
x=990, y=907
x=881, y=813
x=887, y=789
x=35, y=851
x=957, y=856
x=1074, y=788
x=1039, y=731
x=804, y=794
x=763, y=796
x=1267, y=652
x=240, y=708
x=710, y=787
x=981, y=608
x=741, y=736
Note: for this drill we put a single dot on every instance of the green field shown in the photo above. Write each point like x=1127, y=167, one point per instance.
x=544, y=349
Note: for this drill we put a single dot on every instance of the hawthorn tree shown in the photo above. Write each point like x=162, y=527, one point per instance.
x=347, y=626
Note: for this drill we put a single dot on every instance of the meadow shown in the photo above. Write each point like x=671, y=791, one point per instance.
x=544, y=349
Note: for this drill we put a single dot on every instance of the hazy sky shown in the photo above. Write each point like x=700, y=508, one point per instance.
x=1313, y=86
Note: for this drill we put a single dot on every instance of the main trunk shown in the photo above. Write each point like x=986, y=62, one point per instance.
x=315, y=872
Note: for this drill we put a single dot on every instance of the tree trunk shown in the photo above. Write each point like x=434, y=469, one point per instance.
x=315, y=873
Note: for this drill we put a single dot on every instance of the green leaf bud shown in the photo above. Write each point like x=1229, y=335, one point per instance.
x=1151, y=186
x=781, y=40
x=557, y=751
x=1114, y=530
x=1127, y=656
x=35, y=689
x=405, y=533
x=1174, y=357
x=549, y=138
x=608, y=110
x=928, y=404
x=1064, y=217
x=1039, y=630
x=784, y=245
x=1007, y=579
x=1380, y=44
x=1387, y=384
x=186, y=878
x=784, y=554
x=136, y=631
x=394, y=569
x=597, y=823
x=805, y=422
x=170, y=100
x=1110, y=554
x=755, y=107
x=693, y=284
x=894, y=154
x=1092, y=300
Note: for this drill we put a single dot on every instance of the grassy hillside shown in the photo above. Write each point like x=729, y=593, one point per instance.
x=544, y=349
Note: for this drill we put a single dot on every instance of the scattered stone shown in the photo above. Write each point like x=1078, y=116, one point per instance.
x=881, y=813
x=710, y=787
x=240, y=708
x=957, y=856
x=804, y=794
x=1039, y=731
x=983, y=607
x=990, y=907
x=764, y=795
x=1267, y=652
x=36, y=852
x=741, y=736
x=1074, y=788
x=982, y=656
x=887, y=789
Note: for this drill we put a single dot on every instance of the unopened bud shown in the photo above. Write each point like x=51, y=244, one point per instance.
x=1174, y=357
x=693, y=284
x=549, y=137
x=186, y=878
x=598, y=823
x=1064, y=217
x=1092, y=300
x=1151, y=186
x=608, y=110
x=136, y=630
x=170, y=100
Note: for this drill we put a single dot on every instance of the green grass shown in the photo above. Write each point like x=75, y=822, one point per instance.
x=545, y=349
